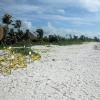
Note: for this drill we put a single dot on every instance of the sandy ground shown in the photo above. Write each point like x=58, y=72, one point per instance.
x=63, y=73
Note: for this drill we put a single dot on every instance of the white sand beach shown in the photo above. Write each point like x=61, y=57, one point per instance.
x=63, y=73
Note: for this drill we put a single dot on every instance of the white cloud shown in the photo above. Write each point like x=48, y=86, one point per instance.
x=24, y=8
x=27, y=25
x=50, y=25
x=91, y=5
x=57, y=1
x=56, y=11
x=72, y=20
x=61, y=11
x=50, y=29
x=7, y=1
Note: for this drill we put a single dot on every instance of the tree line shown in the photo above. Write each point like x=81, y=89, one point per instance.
x=10, y=36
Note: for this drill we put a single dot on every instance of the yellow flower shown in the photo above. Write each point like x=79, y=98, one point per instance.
x=2, y=59
x=13, y=61
x=6, y=70
x=36, y=57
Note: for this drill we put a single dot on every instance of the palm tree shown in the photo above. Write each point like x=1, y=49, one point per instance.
x=40, y=33
x=18, y=24
x=6, y=19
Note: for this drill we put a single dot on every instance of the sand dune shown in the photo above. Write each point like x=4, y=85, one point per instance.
x=63, y=73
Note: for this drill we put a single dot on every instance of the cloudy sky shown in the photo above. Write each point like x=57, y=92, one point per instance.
x=71, y=15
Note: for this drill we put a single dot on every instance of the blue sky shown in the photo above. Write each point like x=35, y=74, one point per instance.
x=58, y=15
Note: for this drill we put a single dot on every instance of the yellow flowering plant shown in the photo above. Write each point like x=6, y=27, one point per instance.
x=16, y=58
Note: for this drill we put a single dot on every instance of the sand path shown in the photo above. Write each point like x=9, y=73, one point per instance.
x=63, y=73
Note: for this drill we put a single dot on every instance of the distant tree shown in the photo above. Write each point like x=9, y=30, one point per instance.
x=75, y=37
x=26, y=36
x=53, y=38
x=11, y=32
x=18, y=24
x=40, y=33
x=45, y=39
x=6, y=19
x=19, y=34
x=96, y=39
x=70, y=36
x=12, y=36
x=82, y=37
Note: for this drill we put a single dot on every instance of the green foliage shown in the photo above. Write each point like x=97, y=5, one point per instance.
x=40, y=33
x=18, y=24
x=27, y=38
x=53, y=38
x=24, y=51
x=7, y=19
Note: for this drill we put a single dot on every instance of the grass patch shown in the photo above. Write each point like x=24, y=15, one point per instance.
x=23, y=51
x=29, y=44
